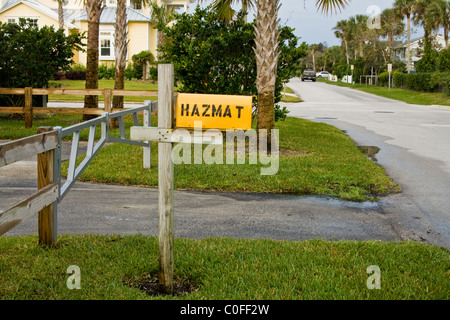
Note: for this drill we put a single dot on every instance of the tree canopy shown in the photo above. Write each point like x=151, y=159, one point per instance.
x=30, y=56
x=215, y=56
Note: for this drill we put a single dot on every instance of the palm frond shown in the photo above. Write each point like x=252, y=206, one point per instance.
x=328, y=6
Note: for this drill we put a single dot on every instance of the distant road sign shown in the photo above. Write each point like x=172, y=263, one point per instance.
x=214, y=111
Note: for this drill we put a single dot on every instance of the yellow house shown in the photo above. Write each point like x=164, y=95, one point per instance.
x=142, y=34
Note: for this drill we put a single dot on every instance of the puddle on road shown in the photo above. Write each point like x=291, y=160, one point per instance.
x=369, y=151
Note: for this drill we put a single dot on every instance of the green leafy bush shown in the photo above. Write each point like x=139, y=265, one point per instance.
x=133, y=71
x=30, y=56
x=280, y=113
x=427, y=82
x=444, y=60
x=106, y=72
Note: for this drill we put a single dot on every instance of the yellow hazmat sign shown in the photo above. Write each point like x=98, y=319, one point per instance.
x=214, y=111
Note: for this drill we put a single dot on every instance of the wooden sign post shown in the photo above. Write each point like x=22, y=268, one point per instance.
x=214, y=111
x=165, y=179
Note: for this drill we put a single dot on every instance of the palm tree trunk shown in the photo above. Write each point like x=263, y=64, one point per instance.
x=267, y=53
x=346, y=51
x=446, y=37
x=94, y=9
x=60, y=14
x=120, y=51
x=408, y=50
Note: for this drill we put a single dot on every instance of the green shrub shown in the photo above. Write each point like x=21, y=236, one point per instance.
x=441, y=80
x=133, y=71
x=444, y=61
x=280, y=113
x=427, y=82
x=106, y=72
x=383, y=79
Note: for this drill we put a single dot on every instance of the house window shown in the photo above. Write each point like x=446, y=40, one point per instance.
x=136, y=4
x=106, y=44
x=33, y=22
x=105, y=48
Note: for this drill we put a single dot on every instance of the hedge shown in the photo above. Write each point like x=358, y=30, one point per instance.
x=427, y=82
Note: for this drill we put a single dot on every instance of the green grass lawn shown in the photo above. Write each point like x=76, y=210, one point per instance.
x=112, y=267
x=315, y=159
x=408, y=96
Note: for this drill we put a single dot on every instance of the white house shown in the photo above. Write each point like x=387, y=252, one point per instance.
x=416, y=48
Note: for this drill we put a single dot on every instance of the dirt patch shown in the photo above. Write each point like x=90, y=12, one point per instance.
x=289, y=152
x=150, y=285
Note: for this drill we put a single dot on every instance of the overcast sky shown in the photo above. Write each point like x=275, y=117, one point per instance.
x=314, y=27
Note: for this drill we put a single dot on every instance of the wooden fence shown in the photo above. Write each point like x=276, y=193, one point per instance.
x=28, y=110
x=47, y=146
x=43, y=201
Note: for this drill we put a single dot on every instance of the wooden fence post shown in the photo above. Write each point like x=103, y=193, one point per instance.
x=165, y=177
x=28, y=109
x=47, y=216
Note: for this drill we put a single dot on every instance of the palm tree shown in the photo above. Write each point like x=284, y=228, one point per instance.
x=358, y=24
x=406, y=8
x=439, y=13
x=267, y=52
x=313, y=50
x=162, y=15
x=120, y=52
x=343, y=32
x=333, y=53
x=94, y=10
x=60, y=13
x=421, y=17
x=391, y=26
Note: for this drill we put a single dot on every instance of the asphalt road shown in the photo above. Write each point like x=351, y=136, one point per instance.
x=414, y=149
x=419, y=213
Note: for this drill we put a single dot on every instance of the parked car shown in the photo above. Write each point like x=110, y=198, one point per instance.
x=322, y=74
x=309, y=75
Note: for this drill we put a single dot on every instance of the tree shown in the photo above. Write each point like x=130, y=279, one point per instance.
x=30, y=56
x=333, y=53
x=216, y=57
x=313, y=49
x=406, y=8
x=439, y=13
x=210, y=55
x=391, y=26
x=267, y=53
x=94, y=10
x=120, y=52
x=343, y=32
x=358, y=24
x=142, y=60
x=60, y=13
x=162, y=16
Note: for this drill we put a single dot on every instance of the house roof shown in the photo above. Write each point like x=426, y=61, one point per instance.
x=404, y=44
x=42, y=8
x=109, y=16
